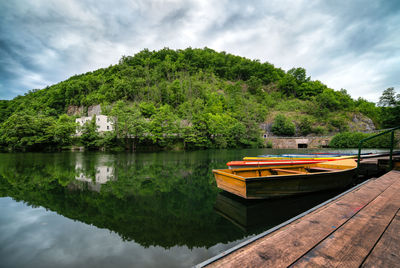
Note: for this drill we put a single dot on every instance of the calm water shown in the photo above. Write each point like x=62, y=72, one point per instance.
x=127, y=210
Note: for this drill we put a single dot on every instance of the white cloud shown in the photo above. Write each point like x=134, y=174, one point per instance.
x=337, y=44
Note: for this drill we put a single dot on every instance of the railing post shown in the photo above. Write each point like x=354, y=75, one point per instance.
x=359, y=158
x=391, y=150
x=391, y=130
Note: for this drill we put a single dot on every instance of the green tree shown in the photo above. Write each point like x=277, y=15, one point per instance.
x=90, y=137
x=369, y=109
x=254, y=85
x=388, y=98
x=129, y=124
x=24, y=131
x=288, y=85
x=309, y=89
x=164, y=126
x=328, y=100
x=147, y=109
x=62, y=130
x=283, y=126
x=305, y=126
x=390, y=108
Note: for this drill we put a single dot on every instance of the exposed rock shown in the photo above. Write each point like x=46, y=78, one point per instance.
x=80, y=110
x=361, y=123
x=75, y=110
x=266, y=127
x=94, y=110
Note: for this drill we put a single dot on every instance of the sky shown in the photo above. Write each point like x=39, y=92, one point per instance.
x=353, y=45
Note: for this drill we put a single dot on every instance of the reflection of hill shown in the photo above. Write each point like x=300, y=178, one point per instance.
x=160, y=203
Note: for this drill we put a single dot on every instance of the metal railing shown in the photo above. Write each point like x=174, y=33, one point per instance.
x=391, y=130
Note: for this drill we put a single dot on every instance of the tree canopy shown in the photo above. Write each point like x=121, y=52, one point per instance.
x=198, y=98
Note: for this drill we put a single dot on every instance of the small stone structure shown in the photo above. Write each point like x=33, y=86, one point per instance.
x=103, y=123
x=298, y=142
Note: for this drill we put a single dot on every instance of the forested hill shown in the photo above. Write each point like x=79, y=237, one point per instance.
x=200, y=97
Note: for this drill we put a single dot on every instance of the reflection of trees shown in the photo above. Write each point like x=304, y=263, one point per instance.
x=164, y=201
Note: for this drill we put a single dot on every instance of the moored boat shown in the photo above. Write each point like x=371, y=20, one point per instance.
x=274, y=181
x=247, y=164
x=274, y=158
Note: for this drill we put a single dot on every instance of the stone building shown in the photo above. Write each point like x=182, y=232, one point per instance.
x=103, y=123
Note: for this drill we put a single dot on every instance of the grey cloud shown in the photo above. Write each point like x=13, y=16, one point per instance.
x=175, y=16
x=52, y=40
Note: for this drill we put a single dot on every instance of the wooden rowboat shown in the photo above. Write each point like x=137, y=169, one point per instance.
x=253, y=164
x=279, y=158
x=267, y=182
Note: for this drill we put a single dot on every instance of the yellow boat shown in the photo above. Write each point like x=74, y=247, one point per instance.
x=277, y=158
x=267, y=182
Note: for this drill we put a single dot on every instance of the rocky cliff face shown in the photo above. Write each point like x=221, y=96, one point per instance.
x=361, y=123
x=80, y=110
x=94, y=110
x=75, y=110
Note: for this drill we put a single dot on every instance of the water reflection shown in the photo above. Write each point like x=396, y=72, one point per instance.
x=164, y=203
x=95, y=176
x=254, y=216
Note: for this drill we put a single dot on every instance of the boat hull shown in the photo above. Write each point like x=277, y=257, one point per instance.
x=250, y=185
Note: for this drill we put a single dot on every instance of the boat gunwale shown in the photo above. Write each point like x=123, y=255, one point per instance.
x=275, y=177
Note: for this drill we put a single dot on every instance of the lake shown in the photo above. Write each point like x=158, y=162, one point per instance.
x=160, y=209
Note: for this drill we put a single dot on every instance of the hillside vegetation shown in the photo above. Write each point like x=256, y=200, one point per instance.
x=192, y=98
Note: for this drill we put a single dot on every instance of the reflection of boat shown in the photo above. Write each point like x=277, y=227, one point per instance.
x=257, y=215
x=265, y=182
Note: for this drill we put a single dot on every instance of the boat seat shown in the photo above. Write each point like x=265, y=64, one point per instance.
x=323, y=169
x=288, y=171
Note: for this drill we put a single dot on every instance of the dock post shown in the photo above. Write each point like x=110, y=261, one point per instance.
x=391, y=150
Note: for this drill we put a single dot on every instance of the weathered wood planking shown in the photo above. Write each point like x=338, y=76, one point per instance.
x=386, y=252
x=349, y=245
x=286, y=245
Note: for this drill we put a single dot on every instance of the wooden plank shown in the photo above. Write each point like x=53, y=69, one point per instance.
x=288, y=171
x=350, y=244
x=232, y=185
x=284, y=246
x=323, y=169
x=386, y=252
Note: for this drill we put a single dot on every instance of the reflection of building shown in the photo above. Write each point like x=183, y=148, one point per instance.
x=102, y=122
x=103, y=174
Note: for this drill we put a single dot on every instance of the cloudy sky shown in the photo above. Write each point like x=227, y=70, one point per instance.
x=346, y=44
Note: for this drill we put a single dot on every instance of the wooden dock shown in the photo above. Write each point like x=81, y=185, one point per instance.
x=361, y=227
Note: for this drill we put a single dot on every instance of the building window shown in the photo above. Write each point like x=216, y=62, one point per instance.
x=108, y=127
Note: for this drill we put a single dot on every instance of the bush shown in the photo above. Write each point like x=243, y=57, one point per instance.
x=283, y=126
x=269, y=144
x=339, y=123
x=305, y=126
x=319, y=130
x=352, y=139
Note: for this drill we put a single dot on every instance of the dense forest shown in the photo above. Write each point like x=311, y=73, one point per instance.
x=185, y=99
